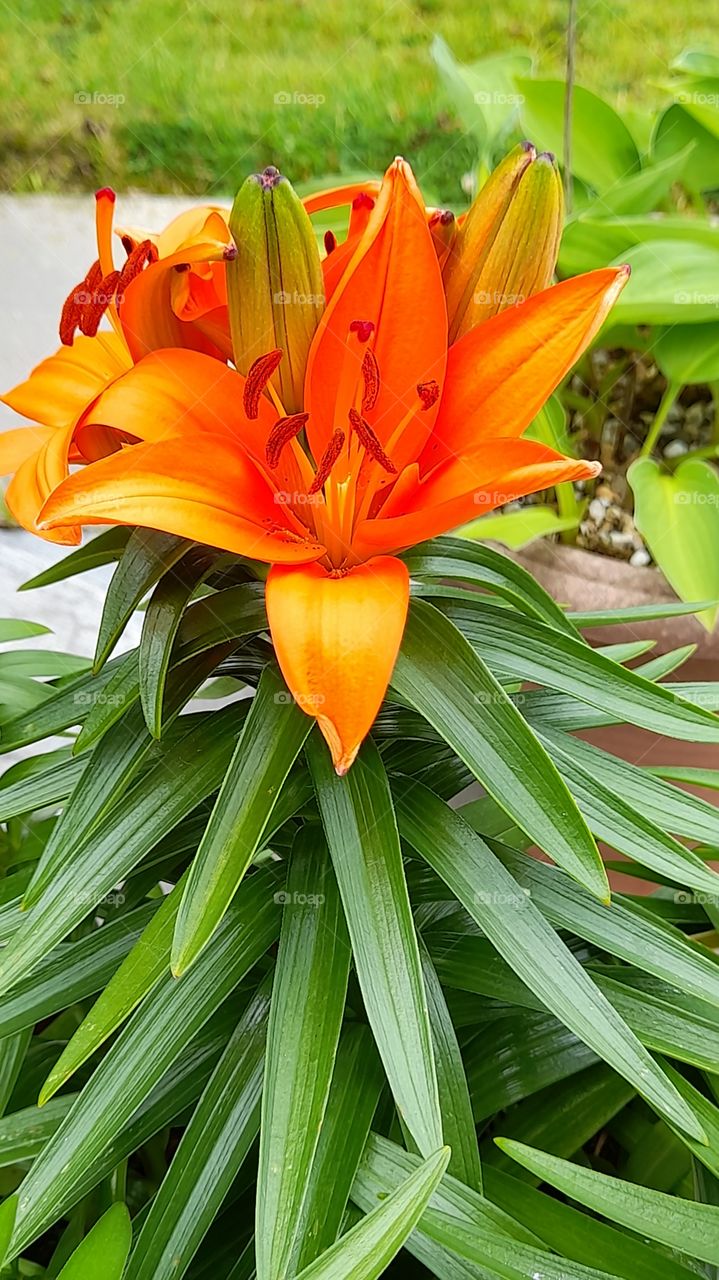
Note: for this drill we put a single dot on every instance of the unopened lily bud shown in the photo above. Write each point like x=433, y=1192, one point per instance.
x=275, y=290
x=507, y=248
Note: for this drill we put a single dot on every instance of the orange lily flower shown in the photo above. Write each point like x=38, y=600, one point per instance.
x=158, y=306
x=401, y=437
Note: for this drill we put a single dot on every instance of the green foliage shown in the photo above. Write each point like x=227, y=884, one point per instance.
x=377, y=977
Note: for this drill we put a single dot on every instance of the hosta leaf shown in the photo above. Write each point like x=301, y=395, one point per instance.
x=467, y=706
x=148, y=555
x=681, y=1224
x=104, y=1250
x=361, y=831
x=308, y=1000
x=156, y=1036
x=531, y=947
x=365, y=1251
x=213, y=1147
x=271, y=740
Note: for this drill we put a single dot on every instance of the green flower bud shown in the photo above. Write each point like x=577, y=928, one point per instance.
x=275, y=289
x=506, y=250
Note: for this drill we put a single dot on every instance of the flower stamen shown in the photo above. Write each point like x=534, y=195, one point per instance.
x=428, y=393
x=284, y=430
x=260, y=372
x=369, y=441
x=370, y=374
x=328, y=460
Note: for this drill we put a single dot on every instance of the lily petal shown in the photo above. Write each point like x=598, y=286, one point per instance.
x=202, y=488
x=336, y=638
x=462, y=489
x=501, y=373
x=146, y=309
x=35, y=480
x=335, y=197
x=394, y=283
x=60, y=387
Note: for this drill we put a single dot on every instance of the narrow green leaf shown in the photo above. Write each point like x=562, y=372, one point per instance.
x=308, y=999
x=148, y=555
x=471, y=711
x=105, y=548
x=357, y=1083
x=17, y=629
x=681, y=1224
x=40, y=790
x=211, y=1152
x=104, y=1250
x=361, y=831
x=155, y=1037
x=454, y=1100
x=8, y=1210
x=159, y=629
x=271, y=740
x=531, y=947
x=365, y=1251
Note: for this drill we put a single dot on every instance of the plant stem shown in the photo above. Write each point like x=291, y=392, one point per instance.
x=670, y=395
x=568, y=100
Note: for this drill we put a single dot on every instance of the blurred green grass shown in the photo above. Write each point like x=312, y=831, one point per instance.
x=199, y=81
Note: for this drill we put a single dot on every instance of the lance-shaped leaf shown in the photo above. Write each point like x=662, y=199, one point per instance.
x=468, y=707
x=104, y=1250
x=147, y=556
x=361, y=830
x=271, y=740
x=308, y=1000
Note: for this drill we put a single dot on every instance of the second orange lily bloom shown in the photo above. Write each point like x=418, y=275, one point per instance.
x=400, y=436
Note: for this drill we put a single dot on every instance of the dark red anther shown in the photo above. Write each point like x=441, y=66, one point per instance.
x=128, y=243
x=369, y=441
x=363, y=328
x=330, y=242
x=76, y=302
x=284, y=430
x=141, y=254
x=370, y=374
x=102, y=296
x=260, y=372
x=441, y=218
x=363, y=201
x=328, y=460
x=428, y=393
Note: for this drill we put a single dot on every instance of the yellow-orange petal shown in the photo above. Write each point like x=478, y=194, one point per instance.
x=202, y=488
x=462, y=489
x=34, y=481
x=146, y=308
x=501, y=373
x=59, y=388
x=334, y=197
x=19, y=444
x=336, y=640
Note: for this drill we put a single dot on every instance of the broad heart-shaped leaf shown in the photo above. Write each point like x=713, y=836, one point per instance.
x=604, y=152
x=365, y=1251
x=104, y=1250
x=677, y=128
x=271, y=740
x=641, y=192
x=678, y=516
x=361, y=831
x=308, y=998
x=147, y=556
x=519, y=528
x=469, y=709
x=680, y=1224
x=157, y=1035
x=669, y=283
x=688, y=353
x=530, y=946
x=213, y=1147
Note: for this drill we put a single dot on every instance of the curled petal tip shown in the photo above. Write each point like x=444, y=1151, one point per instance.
x=529, y=147
x=625, y=271
x=548, y=157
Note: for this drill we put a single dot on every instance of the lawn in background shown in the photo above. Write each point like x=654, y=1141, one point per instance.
x=190, y=95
